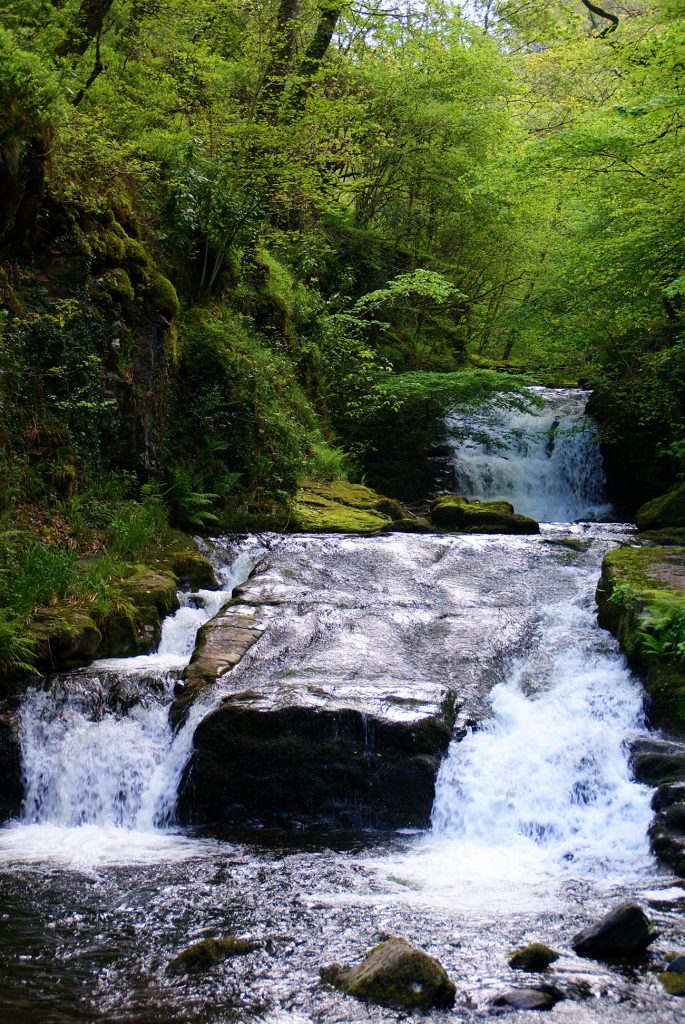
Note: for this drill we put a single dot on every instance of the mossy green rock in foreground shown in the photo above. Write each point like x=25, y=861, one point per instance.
x=673, y=983
x=395, y=974
x=341, y=507
x=665, y=511
x=641, y=599
x=467, y=515
x=534, y=957
x=208, y=952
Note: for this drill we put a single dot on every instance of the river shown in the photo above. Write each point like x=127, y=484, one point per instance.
x=537, y=826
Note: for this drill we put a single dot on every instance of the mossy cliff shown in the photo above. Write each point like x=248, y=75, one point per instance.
x=641, y=599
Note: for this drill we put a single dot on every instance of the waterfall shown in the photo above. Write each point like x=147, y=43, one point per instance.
x=545, y=461
x=97, y=746
x=550, y=772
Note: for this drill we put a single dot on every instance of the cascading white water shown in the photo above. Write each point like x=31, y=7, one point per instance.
x=550, y=771
x=98, y=749
x=545, y=461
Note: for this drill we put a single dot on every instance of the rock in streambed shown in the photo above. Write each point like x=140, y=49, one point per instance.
x=534, y=957
x=468, y=515
x=539, y=997
x=395, y=974
x=624, y=933
x=206, y=953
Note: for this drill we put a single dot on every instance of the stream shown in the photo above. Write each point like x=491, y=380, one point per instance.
x=537, y=826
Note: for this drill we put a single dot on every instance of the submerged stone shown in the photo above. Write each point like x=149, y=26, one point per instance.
x=395, y=974
x=534, y=957
x=542, y=997
x=206, y=953
x=468, y=515
x=624, y=932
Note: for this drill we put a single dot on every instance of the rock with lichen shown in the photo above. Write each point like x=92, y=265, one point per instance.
x=395, y=974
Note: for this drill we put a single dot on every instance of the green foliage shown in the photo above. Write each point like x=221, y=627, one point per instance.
x=666, y=636
x=190, y=508
x=16, y=648
x=35, y=574
x=137, y=525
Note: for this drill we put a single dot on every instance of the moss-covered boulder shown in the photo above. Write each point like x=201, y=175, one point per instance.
x=536, y=956
x=666, y=511
x=673, y=983
x=64, y=637
x=641, y=599
x=135, y=625
x=206, y=953
x=468, y=515
x=395, y=974
x=178, y=554
x=341, y=507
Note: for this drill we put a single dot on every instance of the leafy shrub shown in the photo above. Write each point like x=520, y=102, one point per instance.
x=137, y=524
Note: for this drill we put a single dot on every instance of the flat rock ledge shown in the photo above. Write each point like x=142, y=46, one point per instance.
x=281, y=750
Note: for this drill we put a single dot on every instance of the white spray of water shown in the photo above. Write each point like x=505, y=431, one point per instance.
x=99, y=755
x=546, y=461
x=544, y=790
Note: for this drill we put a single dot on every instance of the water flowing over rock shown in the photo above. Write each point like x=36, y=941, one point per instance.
x=545, y=461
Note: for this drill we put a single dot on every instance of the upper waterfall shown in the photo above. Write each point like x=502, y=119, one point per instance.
x=546, y=461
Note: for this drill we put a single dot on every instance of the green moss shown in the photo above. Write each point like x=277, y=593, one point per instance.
x=664, y=511
x=454, y=512
x=673, y=982
x=641, y=599
x=161, y=294
x=536, y=956
x=118, y=286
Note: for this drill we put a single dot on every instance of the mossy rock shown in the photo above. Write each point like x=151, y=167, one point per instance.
x=179, y=555
x=395, y=974
x=641, y=599
x=135, y=626
x=673, y=982
x=536, y=956
x=206, y=953
x=669, y=536
x=117, y=285
x=65, y=637
x=338, y=507
x=468, y=515
x=161, y=295
x=666, y=511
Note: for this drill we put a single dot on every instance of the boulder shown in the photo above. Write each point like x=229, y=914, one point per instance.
x=624, y=932
x=655, y=761
x=395, y=974
x=541, y=997
x=668, y=510
x=677, y=965
x=673, y=982
x=341, y=507
x=179, y=555
x=221, y=644
x=206, y=953
x=533, y=957
x=641, y=599
x=136, y=627
x=65, y=638
x=468, y=515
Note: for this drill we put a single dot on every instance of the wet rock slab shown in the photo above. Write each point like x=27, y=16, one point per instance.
x=341, y=713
